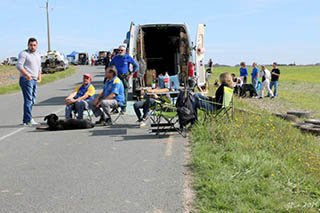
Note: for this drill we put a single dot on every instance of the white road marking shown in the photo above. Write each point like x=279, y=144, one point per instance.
x=169, y=147
x=20, y=129
x=12, y=133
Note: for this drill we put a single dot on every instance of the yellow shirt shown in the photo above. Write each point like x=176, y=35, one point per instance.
x=90, y=92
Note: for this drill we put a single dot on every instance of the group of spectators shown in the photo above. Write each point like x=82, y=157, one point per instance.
x=268, y=79
x=114, y=94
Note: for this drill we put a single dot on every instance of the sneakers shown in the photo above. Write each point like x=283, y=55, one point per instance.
x=101, y=121
x=108, y=122
x=142, y=123
x=31, y=123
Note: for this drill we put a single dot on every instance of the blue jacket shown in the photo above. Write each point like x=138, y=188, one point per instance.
x=122, y=64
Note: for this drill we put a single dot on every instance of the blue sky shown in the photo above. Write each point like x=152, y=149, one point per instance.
x=245, y=30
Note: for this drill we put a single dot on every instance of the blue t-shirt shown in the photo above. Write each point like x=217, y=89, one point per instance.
x=115, y=86
x=243, y=71
x=255, y=71
x=122, y=63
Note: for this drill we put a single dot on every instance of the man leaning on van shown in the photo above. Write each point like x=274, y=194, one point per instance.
x=122, y=62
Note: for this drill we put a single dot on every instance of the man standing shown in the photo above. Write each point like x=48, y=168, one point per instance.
x=29, y=65
x=111, y=97
x=254, y=75
x=122, y=62
x=78, y=100
x=275, y=73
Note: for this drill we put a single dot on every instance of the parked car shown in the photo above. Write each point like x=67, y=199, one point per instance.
x=83, y=58
x=13, y=61
x=99, y=60
x=167, y=48
x=54, y=61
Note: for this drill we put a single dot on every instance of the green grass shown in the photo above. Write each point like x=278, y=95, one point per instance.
x=255, y=163
x=258, y=162
x=45, y=79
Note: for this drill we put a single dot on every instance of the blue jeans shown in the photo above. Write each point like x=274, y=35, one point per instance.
x=78, y=107
x=254, y=84
x=197, y=104
x=275, y=84
x=29, y=90
x=145, y=106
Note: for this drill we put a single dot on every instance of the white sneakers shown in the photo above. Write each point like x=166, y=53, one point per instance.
x=31, y=123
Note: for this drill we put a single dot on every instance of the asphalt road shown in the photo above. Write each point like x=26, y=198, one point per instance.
x=121, y=168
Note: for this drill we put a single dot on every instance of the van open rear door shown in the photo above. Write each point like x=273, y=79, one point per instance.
x=130, y=39
x=200, y=67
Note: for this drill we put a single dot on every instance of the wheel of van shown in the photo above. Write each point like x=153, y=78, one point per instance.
x=313, y=121
x=300, y=114
x=314, y=129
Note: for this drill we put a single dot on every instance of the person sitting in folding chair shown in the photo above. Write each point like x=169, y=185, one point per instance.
x=210, y=104
x=146, y=104
x=110, y=98
x=78, y=100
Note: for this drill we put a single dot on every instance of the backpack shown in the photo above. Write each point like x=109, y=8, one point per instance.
x=185, y=108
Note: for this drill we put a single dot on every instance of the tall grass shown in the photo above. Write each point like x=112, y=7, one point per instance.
x=255, y=163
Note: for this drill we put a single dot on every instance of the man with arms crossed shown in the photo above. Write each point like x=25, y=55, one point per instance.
x=29, y=65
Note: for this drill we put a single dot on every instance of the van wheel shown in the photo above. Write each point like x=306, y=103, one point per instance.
x=300, y=114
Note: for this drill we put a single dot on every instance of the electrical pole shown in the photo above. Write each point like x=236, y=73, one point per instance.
x=48, y=28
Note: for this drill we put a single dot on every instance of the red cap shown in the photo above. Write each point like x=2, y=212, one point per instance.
x=88, y=75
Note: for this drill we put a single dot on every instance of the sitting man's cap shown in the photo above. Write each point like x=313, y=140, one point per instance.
x=88, y=75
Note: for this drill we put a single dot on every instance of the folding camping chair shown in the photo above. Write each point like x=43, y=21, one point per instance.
x=226, y=106
x=87, y=114
x=166, y=119
x=116, y=113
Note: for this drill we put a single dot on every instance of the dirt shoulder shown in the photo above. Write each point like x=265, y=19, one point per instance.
x=8, y=75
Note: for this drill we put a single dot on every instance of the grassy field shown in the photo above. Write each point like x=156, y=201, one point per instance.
x=258, y=162
x=299, y=89
x=10, y=74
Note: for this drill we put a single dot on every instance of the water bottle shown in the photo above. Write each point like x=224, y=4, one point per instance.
x=153, y=81
x=167, y=81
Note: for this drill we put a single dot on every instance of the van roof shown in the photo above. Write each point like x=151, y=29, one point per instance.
x=164, y=24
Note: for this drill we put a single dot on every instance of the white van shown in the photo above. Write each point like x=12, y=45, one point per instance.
x=168, y=48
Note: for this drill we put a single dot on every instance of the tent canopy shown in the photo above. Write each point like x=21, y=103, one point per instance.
x=73, y=54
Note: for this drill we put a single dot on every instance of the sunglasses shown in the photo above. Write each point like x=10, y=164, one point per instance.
x=121, y=50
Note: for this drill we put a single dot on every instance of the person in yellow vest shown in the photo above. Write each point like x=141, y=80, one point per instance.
x=78, y=100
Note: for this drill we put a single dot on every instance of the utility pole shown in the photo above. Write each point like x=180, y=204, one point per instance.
x=48, y=28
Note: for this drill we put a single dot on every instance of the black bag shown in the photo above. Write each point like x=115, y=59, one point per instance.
x=185, y=108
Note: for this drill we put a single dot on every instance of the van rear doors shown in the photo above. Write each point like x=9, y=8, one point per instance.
x=200, y=67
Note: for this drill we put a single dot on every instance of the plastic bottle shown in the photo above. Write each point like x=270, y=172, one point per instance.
x=153, y=81
x=167, y=81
